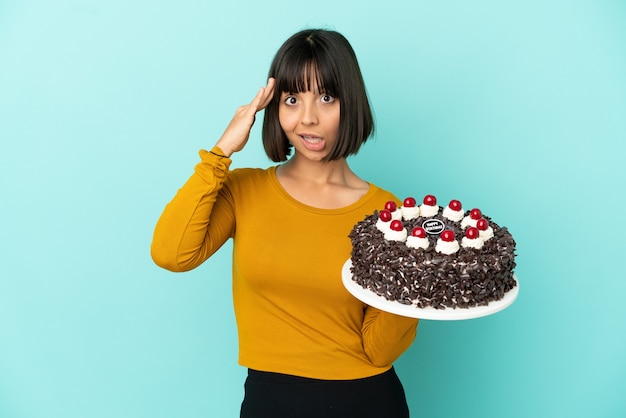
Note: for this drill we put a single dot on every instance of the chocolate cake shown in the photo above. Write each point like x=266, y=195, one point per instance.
x=430, y=256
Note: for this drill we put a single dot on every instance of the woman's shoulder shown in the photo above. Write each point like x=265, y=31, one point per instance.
x=247, y=183
x=243, y=173
x=249, y=176
x=379, y=193
x=376, y=197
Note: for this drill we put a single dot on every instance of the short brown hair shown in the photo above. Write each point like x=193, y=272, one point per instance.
x=330, y=57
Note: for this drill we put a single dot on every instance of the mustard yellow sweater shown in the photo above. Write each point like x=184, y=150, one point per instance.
x=293, y=314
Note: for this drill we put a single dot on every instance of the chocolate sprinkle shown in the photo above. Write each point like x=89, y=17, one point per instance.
x=426, y=278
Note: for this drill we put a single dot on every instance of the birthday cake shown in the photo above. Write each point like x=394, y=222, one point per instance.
x=432, y=256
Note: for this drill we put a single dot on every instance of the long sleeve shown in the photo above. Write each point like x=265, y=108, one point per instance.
x=198, y=220
x=293, y=313
x=386, y=336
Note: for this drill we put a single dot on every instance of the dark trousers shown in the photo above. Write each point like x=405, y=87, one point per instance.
x=275, y=395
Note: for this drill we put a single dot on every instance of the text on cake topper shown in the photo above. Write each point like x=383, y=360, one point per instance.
x=433, y=226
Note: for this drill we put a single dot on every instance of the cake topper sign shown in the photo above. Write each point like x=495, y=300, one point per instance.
x=433, y=226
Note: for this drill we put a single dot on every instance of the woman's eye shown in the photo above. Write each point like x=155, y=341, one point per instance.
x=290, y=100
x=327, y=98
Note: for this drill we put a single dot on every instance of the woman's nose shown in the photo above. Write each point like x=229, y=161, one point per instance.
x=309, y=114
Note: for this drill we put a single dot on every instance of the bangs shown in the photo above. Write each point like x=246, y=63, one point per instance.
x=299, y=73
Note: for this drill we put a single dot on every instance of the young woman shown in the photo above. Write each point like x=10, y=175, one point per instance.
x=312, y=350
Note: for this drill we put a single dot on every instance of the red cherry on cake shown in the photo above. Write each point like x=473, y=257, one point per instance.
x=385, y=215
x=430, y=200
x=418, y=232
x=447, y=235
x=390, y=206
x=409, y=202
x=455, y=205
x=472, y=233
x=482, y=224
x=476, y=214
x=396, y=225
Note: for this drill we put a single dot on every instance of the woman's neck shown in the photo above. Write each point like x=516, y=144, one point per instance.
x=318, y=172
x=329, y=185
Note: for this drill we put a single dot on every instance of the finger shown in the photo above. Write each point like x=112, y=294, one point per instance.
x=271, y=82
x=268, y=94
x=255, y=104
x=263, y=97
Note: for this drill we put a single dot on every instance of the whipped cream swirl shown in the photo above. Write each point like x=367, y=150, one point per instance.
x=410, y=212
x=383, y=226
x=468, y=221
x=417, y=242
x=486, y=234
x=472, y=243
x=453, y=215
x=391, y=235
x=447, y=247
x=429, y=210
x=396, y=215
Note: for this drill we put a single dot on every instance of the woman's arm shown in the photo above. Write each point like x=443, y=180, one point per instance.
x=386, y=336
x=192, y=226
x=184, y=238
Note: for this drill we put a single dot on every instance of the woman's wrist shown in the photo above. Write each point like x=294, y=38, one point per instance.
x=218, y=151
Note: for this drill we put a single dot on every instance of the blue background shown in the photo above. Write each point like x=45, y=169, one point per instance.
x=518, y=107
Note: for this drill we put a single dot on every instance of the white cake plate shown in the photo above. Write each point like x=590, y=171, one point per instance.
x=412, y=311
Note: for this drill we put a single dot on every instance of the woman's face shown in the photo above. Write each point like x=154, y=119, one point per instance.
x=310, y=120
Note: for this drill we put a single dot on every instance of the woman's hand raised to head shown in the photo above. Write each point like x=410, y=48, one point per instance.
x=237, y=132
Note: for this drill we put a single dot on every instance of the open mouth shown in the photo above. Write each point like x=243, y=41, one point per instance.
x=313, y=143
x=312, y=139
